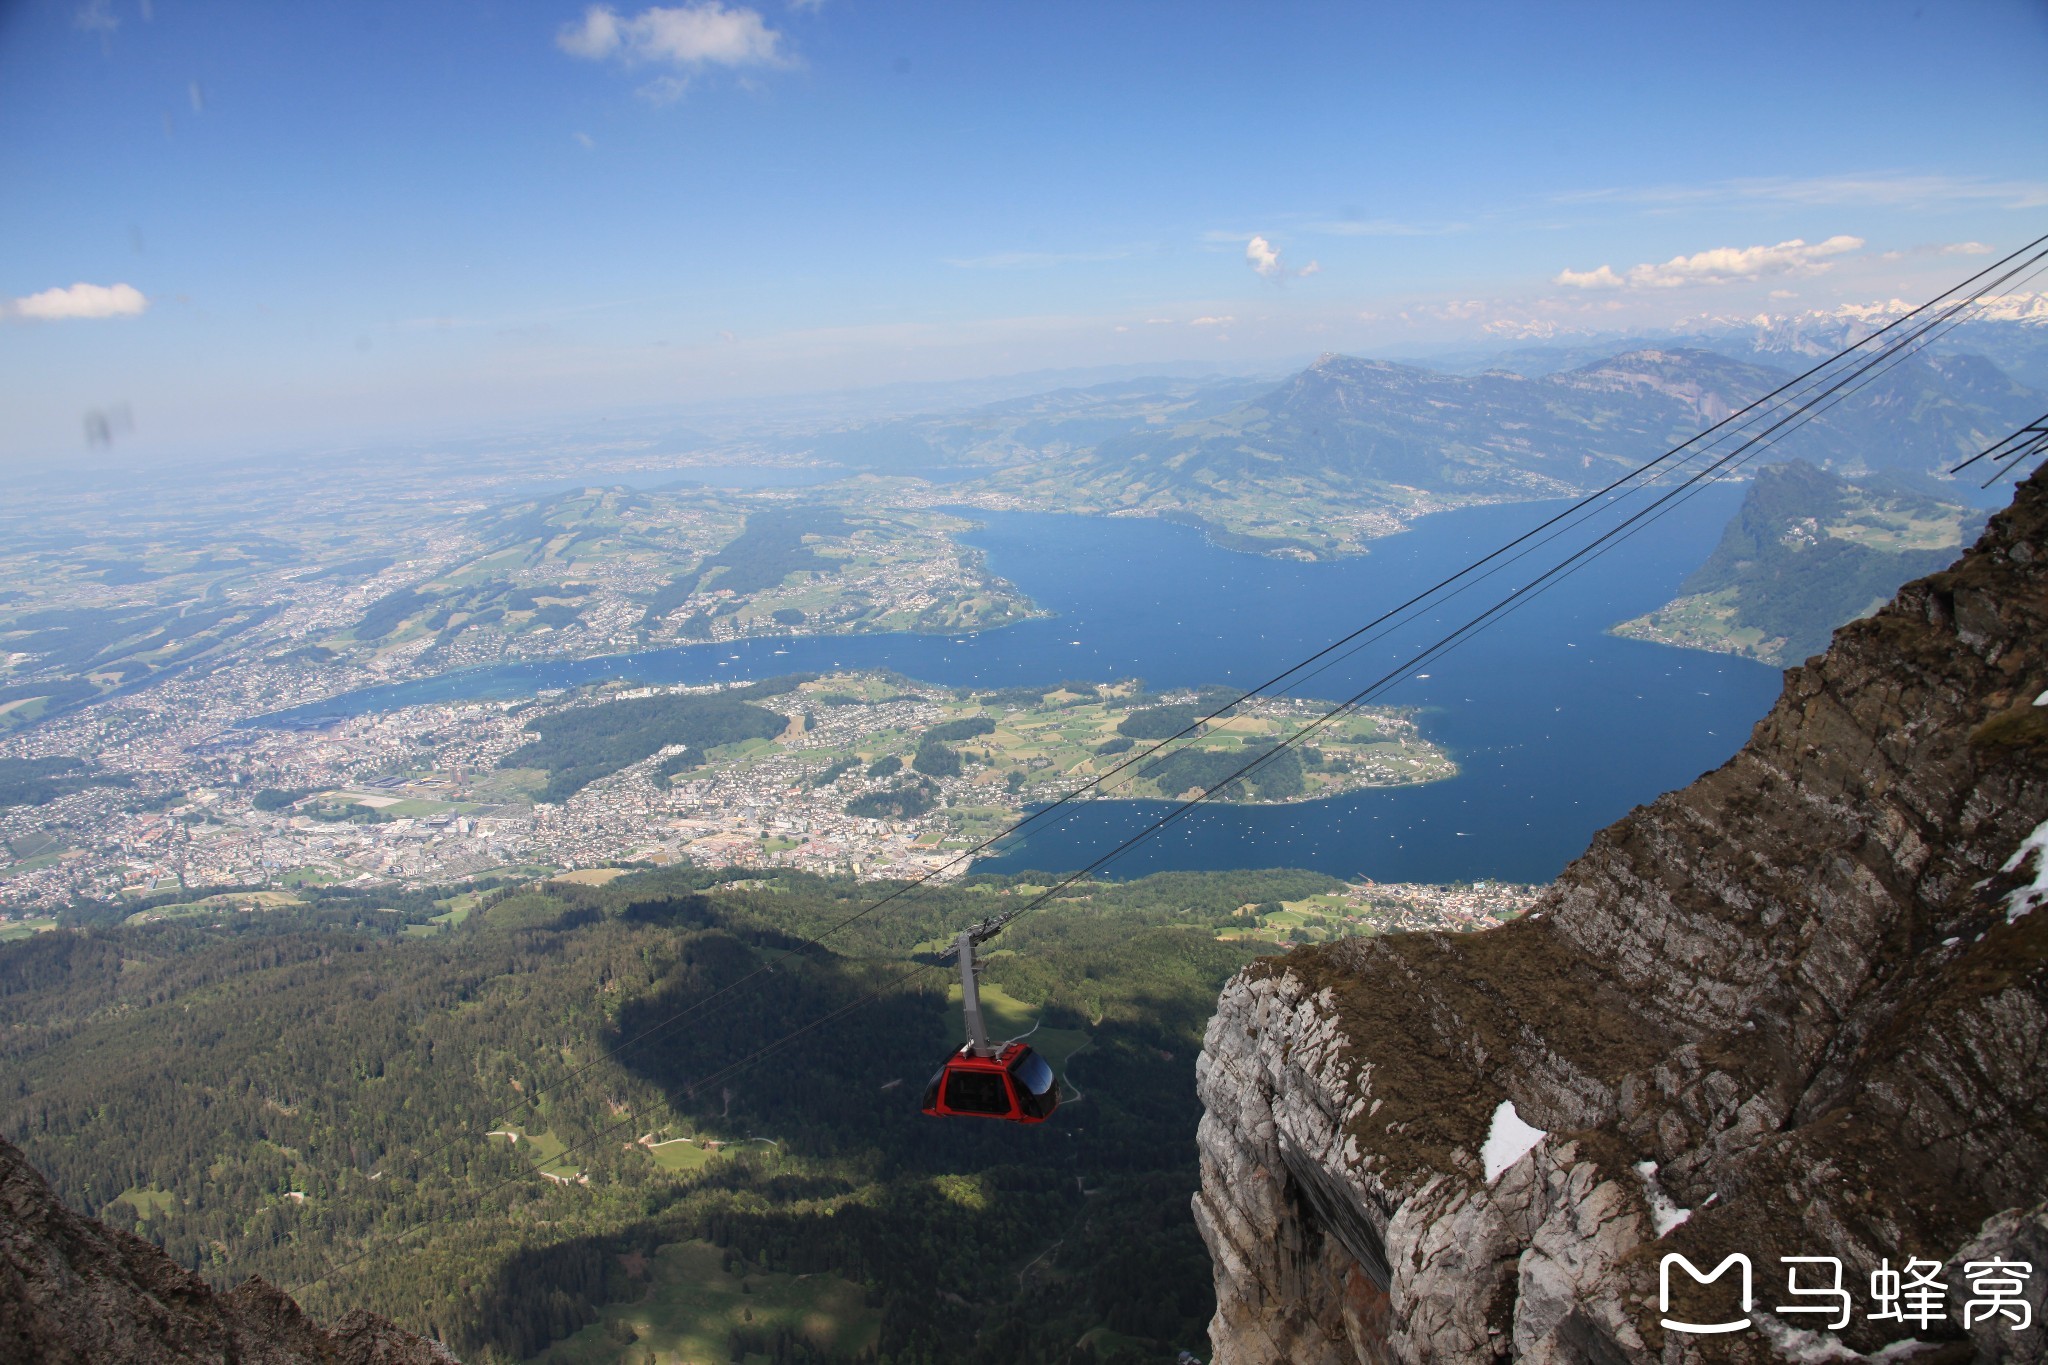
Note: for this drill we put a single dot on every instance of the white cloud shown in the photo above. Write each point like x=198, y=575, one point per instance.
x=1312, y=268
x=584, y=140
x=1721, y=265
x=596, y=37
x=1224, y=321
x=693, y=35
x=683, y=36
x=81, y=301
x=1603, y=278
x=1262, y=257
x=1966, y=249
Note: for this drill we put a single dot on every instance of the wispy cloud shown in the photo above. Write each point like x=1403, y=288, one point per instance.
x=1885, y=189
x=1034, y=260
x=1223, y=321
x=1721, y=265
x=81, y=301
x=685, y=38
x=443, y=322
x=95, y=16
x=1939, y=249
x=1336, y=227
x=1378, y=227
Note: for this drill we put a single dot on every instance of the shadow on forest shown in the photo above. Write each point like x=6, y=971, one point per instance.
x=976, y=1240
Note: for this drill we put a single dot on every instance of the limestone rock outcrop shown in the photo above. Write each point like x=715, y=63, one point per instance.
x=76, y=1292
x=1796, y=1009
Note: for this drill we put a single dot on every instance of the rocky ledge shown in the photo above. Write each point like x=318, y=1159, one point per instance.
x=76, y=1292
x=1797, y=1009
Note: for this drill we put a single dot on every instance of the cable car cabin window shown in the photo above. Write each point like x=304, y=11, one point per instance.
x=1038, y=1090
x=977, y=1092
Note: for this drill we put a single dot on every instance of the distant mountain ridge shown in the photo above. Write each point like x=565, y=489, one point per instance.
x=1352, y=448
x=2009, y=329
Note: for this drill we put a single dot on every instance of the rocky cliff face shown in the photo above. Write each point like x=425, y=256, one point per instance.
x=74, y=1292
x=1795, y=1009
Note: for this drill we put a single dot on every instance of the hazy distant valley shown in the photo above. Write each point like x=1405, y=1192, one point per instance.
x=146, y=621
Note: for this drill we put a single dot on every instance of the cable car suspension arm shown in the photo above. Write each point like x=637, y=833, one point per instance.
x=970, y=994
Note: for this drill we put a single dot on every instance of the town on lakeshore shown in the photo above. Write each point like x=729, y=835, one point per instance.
x=852, y=782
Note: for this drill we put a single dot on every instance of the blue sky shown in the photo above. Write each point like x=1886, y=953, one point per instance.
x=297, y=221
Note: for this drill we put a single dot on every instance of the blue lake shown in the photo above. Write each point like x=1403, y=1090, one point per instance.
x=1558, y=728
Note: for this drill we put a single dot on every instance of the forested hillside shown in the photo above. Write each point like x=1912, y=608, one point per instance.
x=307, y=1093
x=578, y=746
x=1807, y=552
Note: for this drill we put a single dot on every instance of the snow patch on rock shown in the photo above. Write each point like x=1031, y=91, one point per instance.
x=1509, y=1140
x=2025, y=898
x=1664, y=1210
x=1803, y=1344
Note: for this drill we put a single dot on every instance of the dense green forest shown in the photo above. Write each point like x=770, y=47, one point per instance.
x=771, y=547
x=934, y=759
x=1276, y=778
x=115, y=645
x=306, y=1094
x=768, y=549
x=906, y=802
x=967, y=727
x=584, y=743
x=388, y=612
x=1149, y=720
x=39, y=781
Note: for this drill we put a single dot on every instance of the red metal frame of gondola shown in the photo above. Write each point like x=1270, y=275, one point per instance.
x=1001, y=1067
x=982, y=1080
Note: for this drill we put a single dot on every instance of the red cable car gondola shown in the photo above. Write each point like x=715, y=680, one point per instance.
x=982, y=1080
